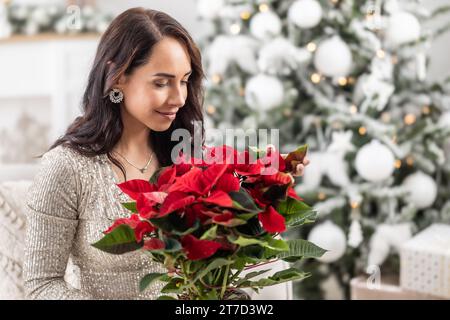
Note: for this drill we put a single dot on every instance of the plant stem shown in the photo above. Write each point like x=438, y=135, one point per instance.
x=234, y=276
x=225, y=278
x=261, y=264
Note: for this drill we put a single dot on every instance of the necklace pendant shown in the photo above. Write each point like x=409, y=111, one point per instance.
x=143, y=170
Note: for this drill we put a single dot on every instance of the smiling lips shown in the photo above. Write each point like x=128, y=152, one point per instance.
x=169, y=115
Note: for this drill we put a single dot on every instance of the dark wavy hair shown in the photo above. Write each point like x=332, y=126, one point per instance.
x=126, y=45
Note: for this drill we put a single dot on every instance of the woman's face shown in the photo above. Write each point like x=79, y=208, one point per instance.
x=154, y=92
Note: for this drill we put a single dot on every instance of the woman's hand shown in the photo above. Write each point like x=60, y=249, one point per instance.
x=300, y=169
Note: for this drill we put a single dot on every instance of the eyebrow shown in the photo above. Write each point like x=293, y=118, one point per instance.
x=168, y=75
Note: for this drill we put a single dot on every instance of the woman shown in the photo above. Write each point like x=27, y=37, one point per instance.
x=145, y=83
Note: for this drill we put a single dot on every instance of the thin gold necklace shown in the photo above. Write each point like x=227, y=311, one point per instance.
x=142, y=170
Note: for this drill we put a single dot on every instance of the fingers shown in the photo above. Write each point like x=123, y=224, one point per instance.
x=306, y=161
x=299, y=170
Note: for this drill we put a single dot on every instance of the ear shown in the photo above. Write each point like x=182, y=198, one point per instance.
x=123, y=80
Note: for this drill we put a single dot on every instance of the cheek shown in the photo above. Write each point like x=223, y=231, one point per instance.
x=144, y=98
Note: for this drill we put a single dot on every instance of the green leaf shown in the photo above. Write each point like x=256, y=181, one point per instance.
x=171, y=245
x=174, y=286
x=174, y=223
x=120, y=240
x=277, y=245
x=250, y=275
x=251, y=228
x=149, y=279
x=164, y=297
x=276, y=192
x=243, y=201
x=130, y=206
x=301, y=218
x=188, y=230
x=290, y=274
x=246, y=216
x=291, y=206
x=212, y=295
x=296, y=212
x=250, y=254
x=298, y=248
x=234, y=222
x=155, y=176
x=210, y=233
x=216, y=263
x=242, y=241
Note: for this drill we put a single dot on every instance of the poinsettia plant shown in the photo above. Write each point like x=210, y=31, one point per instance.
x=208, y=220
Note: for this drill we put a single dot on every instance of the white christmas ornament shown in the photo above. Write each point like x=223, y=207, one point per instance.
x=391, y=6
x=403, y=27
x=305, y=13
x=329, y=237
x=355, y=236
x=265, y=25
x=333, y=58
x=444, y=121
x=422, y=189
x=374, y=162
x=227, y=49
x=209, y=9
x=263, y=92
x=279, y=56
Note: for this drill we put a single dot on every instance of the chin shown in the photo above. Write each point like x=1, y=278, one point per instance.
x=160, y=127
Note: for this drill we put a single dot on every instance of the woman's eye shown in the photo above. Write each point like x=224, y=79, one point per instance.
x=161, y=85
x=185, y=82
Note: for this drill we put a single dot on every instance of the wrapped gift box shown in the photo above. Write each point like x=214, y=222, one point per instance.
x=387, y=289
x=425, y=262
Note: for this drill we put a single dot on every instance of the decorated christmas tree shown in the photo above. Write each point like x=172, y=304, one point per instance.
x=349, y=79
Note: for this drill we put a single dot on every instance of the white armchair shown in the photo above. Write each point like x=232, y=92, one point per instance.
x=12, y=238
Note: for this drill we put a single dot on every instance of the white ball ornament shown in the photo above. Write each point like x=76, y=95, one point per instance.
x=374, y=162
x=265, y=25
x=444, y=121
x=263, y=92
x=305, y=13
x=422, y=189
x=333, y=58
x=329, y=237
x=403, y=27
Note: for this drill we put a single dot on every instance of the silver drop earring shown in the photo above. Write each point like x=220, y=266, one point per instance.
x=116, y=95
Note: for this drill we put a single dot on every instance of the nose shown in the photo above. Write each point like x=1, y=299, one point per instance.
x=177, y=97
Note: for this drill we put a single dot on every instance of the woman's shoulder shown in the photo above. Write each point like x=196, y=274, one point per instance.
x=62, y=151
x=57, y=183
x=64, y=162
x=65, y=155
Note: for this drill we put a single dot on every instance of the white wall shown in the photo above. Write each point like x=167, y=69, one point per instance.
x=181, y=10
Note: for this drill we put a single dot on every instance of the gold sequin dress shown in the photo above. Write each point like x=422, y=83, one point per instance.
x=72, y=200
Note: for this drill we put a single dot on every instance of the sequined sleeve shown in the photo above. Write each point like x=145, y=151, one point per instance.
x=52, y=220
